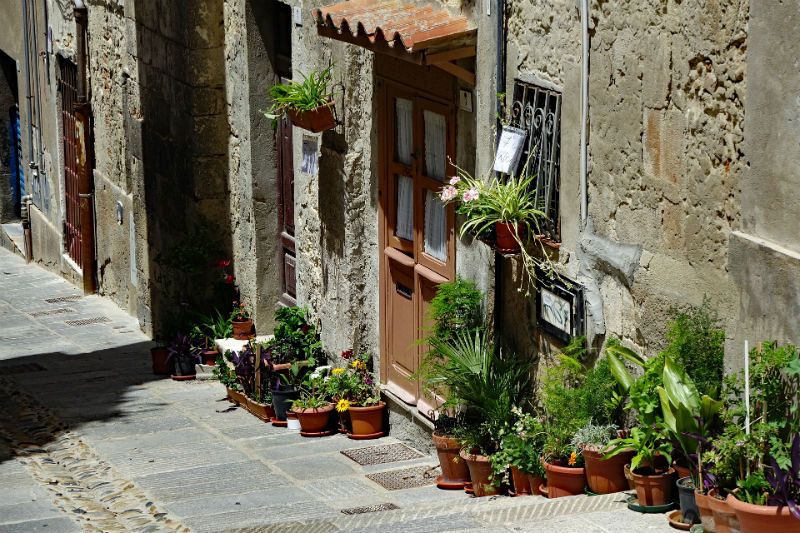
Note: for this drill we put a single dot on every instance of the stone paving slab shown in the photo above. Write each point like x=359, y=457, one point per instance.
x=107, y=430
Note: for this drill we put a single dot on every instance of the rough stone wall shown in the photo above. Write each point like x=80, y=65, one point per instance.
x=665, y=150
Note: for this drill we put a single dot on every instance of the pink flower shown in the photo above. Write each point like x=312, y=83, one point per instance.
x=454, y=180
x=448, y=193
x=471, y=194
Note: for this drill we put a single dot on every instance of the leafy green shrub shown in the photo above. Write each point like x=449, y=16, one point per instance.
x=456, y=308
x=311, y=93
x=696, y=341
x=295, y=339
x=520, y=447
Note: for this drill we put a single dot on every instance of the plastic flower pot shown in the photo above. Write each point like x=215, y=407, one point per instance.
x=703, y=502
x=366, y=422
x=314, y=420
x=606, y=476
x=725, y=519
x=763, y=518
x=210, y=357
x=237, y=397
x=316, y=120
x=686, y=499
x=522, y=486
x=564, y=480
x=535, y=483
x=504, y=237
x=161, y=364
x=263, y=411
x=242, y=329
x=653, y=488
x=480, y=472
x=282, y=402
x=455, y=473
x=184, y=369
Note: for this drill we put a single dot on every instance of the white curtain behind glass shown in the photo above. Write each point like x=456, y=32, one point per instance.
x=435, y=227
x=405, y=122
x=435, y=144
x=405, y=208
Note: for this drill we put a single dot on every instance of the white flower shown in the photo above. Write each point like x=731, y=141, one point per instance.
x=448, y=193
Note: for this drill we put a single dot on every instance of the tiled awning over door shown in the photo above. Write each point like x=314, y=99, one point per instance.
x=423, y=34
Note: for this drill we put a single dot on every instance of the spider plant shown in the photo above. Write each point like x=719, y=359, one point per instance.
x=306, y=95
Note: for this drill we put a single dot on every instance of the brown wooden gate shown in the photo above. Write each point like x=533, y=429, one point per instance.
x=67, y=86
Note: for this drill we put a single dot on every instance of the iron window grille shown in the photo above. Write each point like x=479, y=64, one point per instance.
x=538, y=111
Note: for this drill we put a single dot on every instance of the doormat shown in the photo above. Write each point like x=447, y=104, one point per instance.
x=407, y=478
x=371, y=508
x=383, y=453
x=62, y=299
x=59, y=311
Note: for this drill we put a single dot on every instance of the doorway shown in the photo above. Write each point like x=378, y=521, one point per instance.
x=417, y=137
x=12, y=184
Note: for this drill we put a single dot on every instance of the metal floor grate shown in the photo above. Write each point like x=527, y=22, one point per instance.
x=21, y=368
x=59, y=311
x=384, y=453
x=407, y=478
x=88, y=321
x=62, y=299
x=371, y=508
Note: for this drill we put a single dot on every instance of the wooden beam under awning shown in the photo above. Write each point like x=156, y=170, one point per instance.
x=419, y=33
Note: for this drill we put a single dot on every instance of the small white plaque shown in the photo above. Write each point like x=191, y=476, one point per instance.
x=309, y=165
x=465, y=100
x=509, y=149
x=297, y=15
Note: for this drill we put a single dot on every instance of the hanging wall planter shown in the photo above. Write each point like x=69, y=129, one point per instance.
x=307, y=103
x=319, y=119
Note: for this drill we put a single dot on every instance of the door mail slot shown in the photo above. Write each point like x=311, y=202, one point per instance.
x=403, y=291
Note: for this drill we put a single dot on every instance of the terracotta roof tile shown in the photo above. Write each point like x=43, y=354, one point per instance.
x=410, y=25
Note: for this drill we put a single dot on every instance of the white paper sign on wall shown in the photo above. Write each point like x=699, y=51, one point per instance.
x=309, y=164
x=509, y=149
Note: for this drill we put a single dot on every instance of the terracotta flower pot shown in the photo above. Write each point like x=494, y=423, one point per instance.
x=242, y=329
x=210, y=357
x=161, y=362
x=725, y=520
x=654, y=489
x=237, y=397
x=522, y=487
x=504, y=238
x=606, y=476
x=318, y=119
x=763, y=518
x=367, y=422
x=703, y=502
x=263, y=411
x=535, y=482
x=564, y=480
x=455, y=473
x=314, y=420
x=480, y=472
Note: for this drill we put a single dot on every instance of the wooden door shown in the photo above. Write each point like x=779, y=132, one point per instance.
x=286, y=236
x=417, y=134
x=67, y=83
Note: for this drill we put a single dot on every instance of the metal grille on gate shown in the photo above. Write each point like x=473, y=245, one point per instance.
x=538, y=111
x=67, y=83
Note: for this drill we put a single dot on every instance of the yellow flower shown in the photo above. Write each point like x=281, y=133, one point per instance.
x=573, y=459
x=337, y=371
x=358, y=364
x=343, y=405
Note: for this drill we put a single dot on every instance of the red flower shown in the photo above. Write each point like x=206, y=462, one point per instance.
x=223, y=263
x=306, y=328
x=347, y=354
x=229, y=279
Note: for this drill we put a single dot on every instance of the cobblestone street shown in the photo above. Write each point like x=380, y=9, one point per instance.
x=90, y=440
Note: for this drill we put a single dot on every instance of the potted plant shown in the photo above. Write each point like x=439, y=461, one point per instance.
x=183, y=356
x=226, y=375
x=285, y=390
x=359, y=396
x=603, y=476
x=521, y=451
x=210, y=328
x=485, y=384
x=241, y=322
x=308, y=103
x=455, y=474
x=313, y=408
x=651, y=446
x=160, y=357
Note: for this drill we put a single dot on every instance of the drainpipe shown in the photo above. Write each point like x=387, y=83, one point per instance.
x=584, y=181
x=81, y=18
x=26, y=226
x=28, y=91
x=500, y=86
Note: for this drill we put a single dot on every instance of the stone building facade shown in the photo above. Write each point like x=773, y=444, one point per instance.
x=690, y=179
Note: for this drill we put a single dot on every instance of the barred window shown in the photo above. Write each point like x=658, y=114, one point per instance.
x=537, y=110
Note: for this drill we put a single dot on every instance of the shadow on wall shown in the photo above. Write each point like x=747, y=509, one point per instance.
x=184, y=156
x=72, y=391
